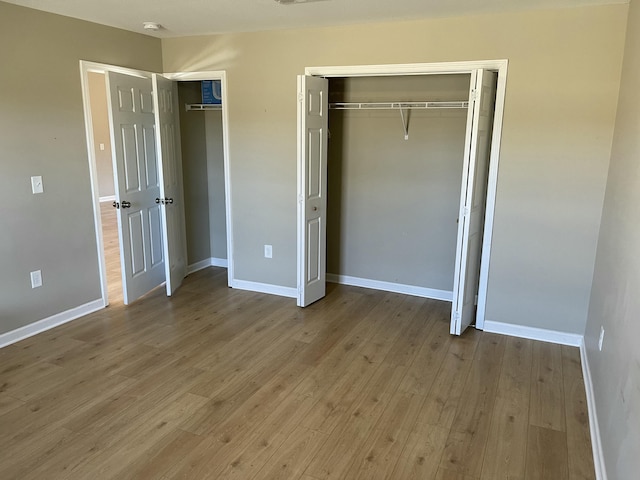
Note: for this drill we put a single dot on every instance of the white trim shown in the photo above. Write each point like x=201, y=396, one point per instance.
x=48, y=323
x=108, y=198
x=207, y=262
x=438, y=68
x=445, y=295
x=533, y=333
x=222, y=76
x=594, y=426
x=219, y=262
x=501, y=66
x=289, y=292
x=202, y=264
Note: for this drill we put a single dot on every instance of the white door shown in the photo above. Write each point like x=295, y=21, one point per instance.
x=137, y=185
x=170, y=173
x=312, y=187
x=473, y=199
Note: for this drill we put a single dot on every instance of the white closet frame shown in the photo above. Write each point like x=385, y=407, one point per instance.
x=451, y=68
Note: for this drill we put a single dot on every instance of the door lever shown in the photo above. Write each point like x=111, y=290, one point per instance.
x=125, y=204
x=115, y=205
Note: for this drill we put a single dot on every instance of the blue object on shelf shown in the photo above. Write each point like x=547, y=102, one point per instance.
x=212, y=92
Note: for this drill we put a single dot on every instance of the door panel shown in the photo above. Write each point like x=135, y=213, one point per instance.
x=312, y=187
x=132, y=122
x=171, y=207
x=473, y=199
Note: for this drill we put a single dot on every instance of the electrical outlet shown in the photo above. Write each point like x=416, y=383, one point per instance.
x=102, y=147
x=36, y=279
x=601, y=339
x=268, y=251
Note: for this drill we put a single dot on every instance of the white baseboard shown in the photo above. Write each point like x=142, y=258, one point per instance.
x=289, y=292
x=207, y=262
x=108, y=198
x=219, y=262
x=532, y=333
x=48, y=323
x=391, y=287
x=596, y=441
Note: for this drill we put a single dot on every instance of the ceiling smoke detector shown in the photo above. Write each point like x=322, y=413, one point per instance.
x=151, y=26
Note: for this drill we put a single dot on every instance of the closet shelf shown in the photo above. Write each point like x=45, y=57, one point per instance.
x=395, y=105
x=201, y=106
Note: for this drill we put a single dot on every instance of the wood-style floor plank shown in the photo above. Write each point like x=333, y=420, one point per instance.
x=221, y=383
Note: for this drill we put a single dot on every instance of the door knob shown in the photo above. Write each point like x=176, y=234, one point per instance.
x=157, y=200
x=168, y=200
x=125, y=204
x=314, y=208
x=115, y=205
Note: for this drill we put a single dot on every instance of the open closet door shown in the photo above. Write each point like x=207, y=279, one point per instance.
x=473, y=199
x=312, y=187
x=137, y=183
x=170, y=172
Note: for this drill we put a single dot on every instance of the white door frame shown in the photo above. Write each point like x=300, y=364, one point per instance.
x=441, y=68
x=85, y=68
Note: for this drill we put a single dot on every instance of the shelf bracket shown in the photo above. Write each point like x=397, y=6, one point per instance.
x=405, y=123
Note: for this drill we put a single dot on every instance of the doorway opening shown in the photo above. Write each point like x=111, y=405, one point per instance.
x=164, y=227
x=476, y=192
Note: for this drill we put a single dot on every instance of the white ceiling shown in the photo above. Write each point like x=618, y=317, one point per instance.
x=199, y=17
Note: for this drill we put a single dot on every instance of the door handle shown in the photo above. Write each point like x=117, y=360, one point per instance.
x=157, y=200
x=168, y=200
x=115, y=205
x=125, y=204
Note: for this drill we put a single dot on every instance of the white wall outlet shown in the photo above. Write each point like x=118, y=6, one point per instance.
x=36, y=184
x=268, y=251
x=36, y=279
x=102, y=147
x=601, y=339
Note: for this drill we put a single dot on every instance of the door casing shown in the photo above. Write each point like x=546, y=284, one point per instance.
x=85, y=68
x=443, y=68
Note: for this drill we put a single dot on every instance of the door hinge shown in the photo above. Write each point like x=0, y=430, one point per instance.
x=466, y=211
x=456, y=316
x=300, y=198
x=474, y=95
x=300, y=96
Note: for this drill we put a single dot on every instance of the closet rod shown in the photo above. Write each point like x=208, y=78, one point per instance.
x=202, y=106
x=395, y=105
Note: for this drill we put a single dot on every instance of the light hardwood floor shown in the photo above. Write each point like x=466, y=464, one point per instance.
x=225, y=384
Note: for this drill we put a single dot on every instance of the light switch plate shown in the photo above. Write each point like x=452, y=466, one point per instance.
x=36, y=184
x=36, y=279
x=268, y=251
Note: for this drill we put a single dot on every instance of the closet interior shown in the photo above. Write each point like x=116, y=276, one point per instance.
x=201, y=140
x=395, y=159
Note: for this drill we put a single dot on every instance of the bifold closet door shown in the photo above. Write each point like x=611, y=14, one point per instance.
x=312, y=188
x=473, y=199
x=171, y=197
x=137, y=183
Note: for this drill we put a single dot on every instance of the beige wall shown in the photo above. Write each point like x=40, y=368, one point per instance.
x=42, y=133
x=564, y=71
x=101, y=135
x=393, y=203
x=615, y=301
